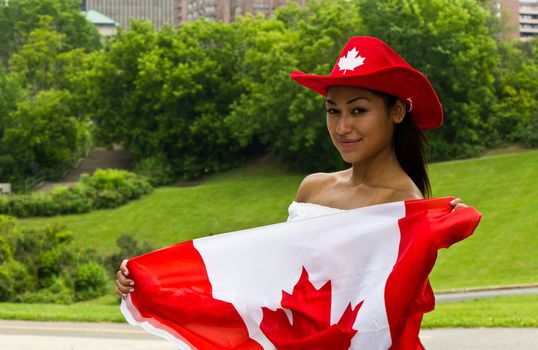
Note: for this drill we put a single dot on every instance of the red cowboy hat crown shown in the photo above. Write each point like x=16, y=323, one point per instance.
x=369, y=63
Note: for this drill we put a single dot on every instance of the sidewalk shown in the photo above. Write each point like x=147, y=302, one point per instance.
x=23, y=335
x=480, y=293
x=480, y=338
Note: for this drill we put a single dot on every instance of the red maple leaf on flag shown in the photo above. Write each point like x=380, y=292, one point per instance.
x=311, y=313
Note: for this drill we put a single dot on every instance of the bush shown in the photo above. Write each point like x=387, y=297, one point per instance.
x=14, y=280
x=108, y=199
x=6, y=283
x=47, y=266
x=90, y=281
x=108, y=188
x=127, y=184
x=58, y=292
x=156, y=168
x=5, y=250
x=76, y=199
x=128, y=248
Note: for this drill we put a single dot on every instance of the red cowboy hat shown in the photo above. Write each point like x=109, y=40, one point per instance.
x=369, y=63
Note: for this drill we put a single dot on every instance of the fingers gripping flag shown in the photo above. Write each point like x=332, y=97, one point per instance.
x=356, y=279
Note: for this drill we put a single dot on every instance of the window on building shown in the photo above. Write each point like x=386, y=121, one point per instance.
x=210, y=8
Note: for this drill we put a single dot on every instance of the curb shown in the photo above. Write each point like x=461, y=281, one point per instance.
x=487, y=289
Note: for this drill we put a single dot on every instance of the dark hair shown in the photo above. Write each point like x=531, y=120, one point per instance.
x=411, y=148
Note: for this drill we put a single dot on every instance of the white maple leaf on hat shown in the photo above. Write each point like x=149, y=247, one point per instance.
x=351, y=61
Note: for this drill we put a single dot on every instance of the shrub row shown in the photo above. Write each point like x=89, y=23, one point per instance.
x=106, y=188
x=46, y=266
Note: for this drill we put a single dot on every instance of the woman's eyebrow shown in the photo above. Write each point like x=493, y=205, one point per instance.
x=357, y=98
x=350, y=101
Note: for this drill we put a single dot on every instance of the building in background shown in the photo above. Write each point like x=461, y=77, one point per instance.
x=225, y=10
x=528, y=20
x=520, y=18
x=160, y=12
x=174, y=12
x=106, y=26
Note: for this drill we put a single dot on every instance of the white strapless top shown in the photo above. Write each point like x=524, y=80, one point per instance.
x=300, y=210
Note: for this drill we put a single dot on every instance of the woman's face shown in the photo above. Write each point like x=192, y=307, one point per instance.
x=359, y=123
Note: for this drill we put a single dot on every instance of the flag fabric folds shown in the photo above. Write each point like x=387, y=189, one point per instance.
x=356, y=279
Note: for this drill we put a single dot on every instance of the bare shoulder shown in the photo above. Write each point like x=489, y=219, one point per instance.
x=406, y=191
x=312, y=184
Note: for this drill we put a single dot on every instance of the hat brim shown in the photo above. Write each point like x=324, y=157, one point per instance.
x=400, y=81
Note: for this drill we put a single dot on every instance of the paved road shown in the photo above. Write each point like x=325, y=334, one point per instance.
x=480, y=339
x=485, y=293
x=24, y=335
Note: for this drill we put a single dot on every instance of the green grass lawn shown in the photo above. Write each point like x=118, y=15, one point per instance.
x=242, y=198
x=503, y=250
x=104, y=309
x=519, y=311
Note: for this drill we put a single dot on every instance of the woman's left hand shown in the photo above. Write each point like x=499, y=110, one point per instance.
x=457, y=204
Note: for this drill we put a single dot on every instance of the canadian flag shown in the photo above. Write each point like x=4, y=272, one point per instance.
x=355, y=279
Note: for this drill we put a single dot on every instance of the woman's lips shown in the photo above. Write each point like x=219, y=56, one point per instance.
x=348, y=143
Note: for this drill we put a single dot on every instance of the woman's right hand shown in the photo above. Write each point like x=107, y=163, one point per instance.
x=124, y=285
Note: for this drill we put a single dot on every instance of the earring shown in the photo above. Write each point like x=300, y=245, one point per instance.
x=409, y=104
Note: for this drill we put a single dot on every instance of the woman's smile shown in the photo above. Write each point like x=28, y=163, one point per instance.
x=348, y=144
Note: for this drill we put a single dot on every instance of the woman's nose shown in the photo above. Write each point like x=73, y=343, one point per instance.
x=345, y=124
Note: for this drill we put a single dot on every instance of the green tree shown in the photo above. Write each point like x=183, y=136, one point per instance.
x=516, y=112
x=112, y=78
x=42, y=133
x=10, y=94
x=166, y=94
x=452, y=43
x=284, y=117
x=42, y=62
x=48, y=125
x=35, y=63
x=18, y=18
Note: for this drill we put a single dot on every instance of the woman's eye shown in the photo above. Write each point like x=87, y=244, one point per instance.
x=332, y=111
x=358, y=110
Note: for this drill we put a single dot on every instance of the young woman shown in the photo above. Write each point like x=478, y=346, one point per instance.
x=377, y=108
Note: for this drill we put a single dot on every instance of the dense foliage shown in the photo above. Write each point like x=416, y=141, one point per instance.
x=104, y=189
x=206, y=96
x=46, y=266
x=515, y=115
x=44, y=128
x=18, y=18
x=453, y=45
x=128, y=247
x=166, y=94
x=205, y=105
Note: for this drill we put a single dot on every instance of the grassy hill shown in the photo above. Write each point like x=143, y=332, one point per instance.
x=502, y=251
x=504, y=248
